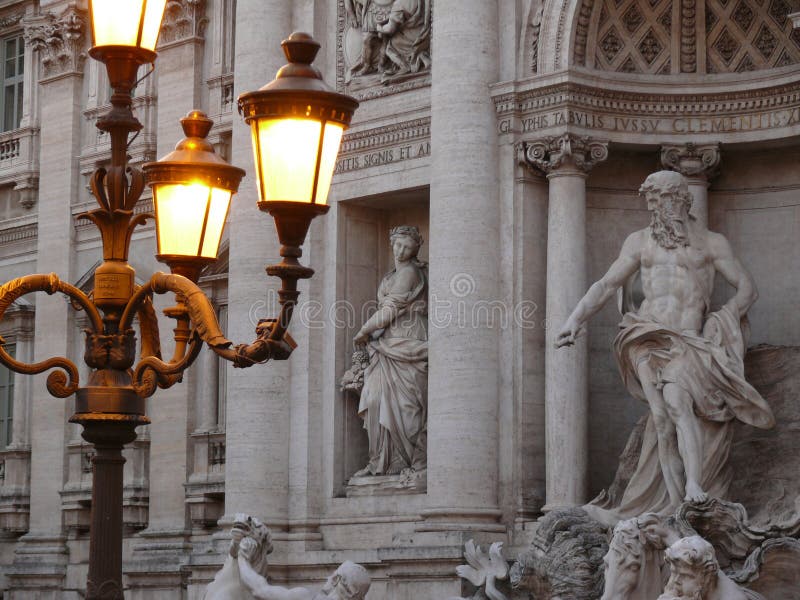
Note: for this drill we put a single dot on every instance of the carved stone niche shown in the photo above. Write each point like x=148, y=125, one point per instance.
x=365, y=254
x=384, y=46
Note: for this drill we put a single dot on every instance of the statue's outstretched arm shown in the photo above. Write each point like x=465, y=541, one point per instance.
x=601, y=291
x=734, y=273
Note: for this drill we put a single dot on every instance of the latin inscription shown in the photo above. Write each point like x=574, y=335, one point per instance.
x=379, y=158
x=665, y=125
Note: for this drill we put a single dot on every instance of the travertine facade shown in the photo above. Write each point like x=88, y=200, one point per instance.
x=515, y=136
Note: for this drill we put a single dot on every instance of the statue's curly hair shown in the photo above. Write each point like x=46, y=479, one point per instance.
x=670, y=182
x=410, y=231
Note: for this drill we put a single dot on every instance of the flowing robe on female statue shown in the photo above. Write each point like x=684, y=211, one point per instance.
x=394, y=399
x=710, y=368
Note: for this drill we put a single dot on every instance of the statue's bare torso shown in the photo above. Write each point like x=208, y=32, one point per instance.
x=677, y=282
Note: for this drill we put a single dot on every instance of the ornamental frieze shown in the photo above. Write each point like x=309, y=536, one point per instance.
x=383, y=46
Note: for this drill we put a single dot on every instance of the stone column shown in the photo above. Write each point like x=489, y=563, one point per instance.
x=41, y=557
x=699, y=164
x=567, y=160
x=257, y=418
x=464, y=270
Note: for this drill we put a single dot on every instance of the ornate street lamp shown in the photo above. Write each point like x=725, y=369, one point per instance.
x=192, y=190
x=297, y=123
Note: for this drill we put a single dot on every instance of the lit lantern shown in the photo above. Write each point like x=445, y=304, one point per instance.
x=126, y=23
x=192, y=190
x=297, y=123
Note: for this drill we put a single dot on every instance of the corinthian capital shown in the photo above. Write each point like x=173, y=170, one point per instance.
x=59, y=40
x=692, y=161
x=553, y=153
x=183, y=20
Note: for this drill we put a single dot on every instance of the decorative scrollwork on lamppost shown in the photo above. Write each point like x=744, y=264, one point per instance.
x=297, y=123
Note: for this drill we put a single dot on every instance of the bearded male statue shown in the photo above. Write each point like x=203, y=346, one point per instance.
x=675, y=354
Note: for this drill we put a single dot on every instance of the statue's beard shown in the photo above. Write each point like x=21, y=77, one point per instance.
x=667, y=231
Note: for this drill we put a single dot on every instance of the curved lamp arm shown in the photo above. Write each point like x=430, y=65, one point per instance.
x=195, y=309
x=64, y=382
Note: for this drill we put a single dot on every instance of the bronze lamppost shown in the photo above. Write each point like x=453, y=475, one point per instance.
x=297, y=124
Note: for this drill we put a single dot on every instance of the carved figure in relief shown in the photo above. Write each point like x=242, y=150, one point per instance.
x=677, y=355
x=408, y=33
x=394, y=397
x=395, y=36
x=368, y=16
x=244, y=575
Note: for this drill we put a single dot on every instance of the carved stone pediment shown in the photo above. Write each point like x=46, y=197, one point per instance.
x=59, y=39
x=384, y=46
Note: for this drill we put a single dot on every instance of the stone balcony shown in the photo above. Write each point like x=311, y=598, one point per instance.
x=19, y=163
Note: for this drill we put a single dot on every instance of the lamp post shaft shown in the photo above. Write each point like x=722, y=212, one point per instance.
x=105, y=550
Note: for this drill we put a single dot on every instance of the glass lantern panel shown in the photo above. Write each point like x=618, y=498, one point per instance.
x=154, y=12
x=330, y=151
x=180, y=213
x=217, y=213
x=288, y=149
x=116, y=22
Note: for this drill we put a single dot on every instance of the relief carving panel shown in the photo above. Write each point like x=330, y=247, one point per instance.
x=384, y=46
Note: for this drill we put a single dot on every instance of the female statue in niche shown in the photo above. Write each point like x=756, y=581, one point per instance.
x=394, y=396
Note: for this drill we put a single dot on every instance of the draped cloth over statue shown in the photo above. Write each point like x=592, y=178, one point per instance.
x=394, y=399
x=710, y=368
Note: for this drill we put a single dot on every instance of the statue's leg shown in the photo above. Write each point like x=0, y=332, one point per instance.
x=668, y=453
x=690, y=439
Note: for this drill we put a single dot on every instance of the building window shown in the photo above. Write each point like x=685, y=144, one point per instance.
x=13, y=81
x=6, y=401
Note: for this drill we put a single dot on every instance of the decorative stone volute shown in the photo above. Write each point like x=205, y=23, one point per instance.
x=553, y=153
x=59, y=40
x=692, y=161
x=183, y=20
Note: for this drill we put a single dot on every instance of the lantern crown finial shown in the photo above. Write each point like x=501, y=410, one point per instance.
x=300, y=48
x=196, y=124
